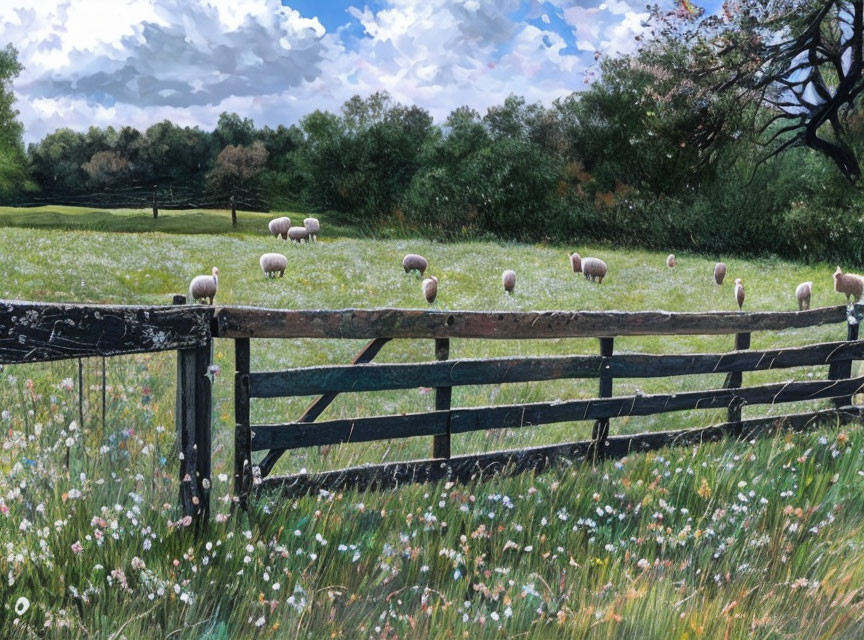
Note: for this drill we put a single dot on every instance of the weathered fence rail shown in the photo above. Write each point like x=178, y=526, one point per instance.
x=34, y=332
x=249, y=322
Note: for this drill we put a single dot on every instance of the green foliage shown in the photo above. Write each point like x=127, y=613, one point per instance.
x=363, y=161
x=237, y=172
x=14, y=180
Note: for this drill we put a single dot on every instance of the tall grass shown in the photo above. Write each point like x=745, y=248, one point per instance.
x=728, y=540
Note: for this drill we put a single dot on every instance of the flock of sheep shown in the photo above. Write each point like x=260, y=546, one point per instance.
x=204, y=288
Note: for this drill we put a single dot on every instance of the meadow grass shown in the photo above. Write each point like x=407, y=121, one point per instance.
x=727, y=540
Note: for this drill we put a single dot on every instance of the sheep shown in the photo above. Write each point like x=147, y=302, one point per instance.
x=313, y=227
x=273, y=263
x=430, y=289
x=298, y=234
x=670, y=261
x=802, y=294
x=594, y=268
x=508, y=279
x=204, y=287
x=719, y=272
x=576, y=262
x=739, y=293
x=413, y=262
x=279, y=227
x=850, y=284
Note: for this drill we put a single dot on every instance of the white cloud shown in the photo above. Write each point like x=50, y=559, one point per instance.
x=100, y=62
x=609, y=27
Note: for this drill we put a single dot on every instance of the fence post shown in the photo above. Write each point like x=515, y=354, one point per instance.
x=193, y=414
x=233, y=213
x=733, y=381
x=843, y=369
x=155, y=206
x=443, y=395
x=242, y=430
x=600, y=432
x=81, y=393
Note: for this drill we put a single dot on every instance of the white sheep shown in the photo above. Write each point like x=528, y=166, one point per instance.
x=298, y=234
x=313, y=227
x=508, y=279
x=204, y=287
x=594, y=269
x=273, y=263
x=430, y=289
x=719, y=272
x=576, y=262
x=850, y=284
x=802, y=294
x=279, y=227
x=670, y=261
x=413, y=262
x=739, y=293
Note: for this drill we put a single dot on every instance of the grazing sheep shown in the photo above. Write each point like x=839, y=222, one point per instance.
x=273, y=263
x=279, y=227
x=594, y=268
x=802, y=294
x=719, y=272
x=849, y=284
x=670, y=261
x=508, y=279
x=739, y=293
x=430, y=289
x=204, y=287
x=576, y=262
x=313, y=227
x=298, y=234
x=413, y=262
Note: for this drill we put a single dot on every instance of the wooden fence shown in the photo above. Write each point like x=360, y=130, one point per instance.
x=34, y=332
x=441, y=425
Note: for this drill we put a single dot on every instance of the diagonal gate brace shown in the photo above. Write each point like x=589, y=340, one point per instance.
x=317, y=407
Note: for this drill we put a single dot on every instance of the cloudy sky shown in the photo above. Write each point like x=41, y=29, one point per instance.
x=140, y=61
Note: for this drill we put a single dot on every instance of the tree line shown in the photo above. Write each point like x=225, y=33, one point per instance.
x=729, y=133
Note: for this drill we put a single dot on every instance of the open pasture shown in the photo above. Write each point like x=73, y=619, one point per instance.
x=726, y=535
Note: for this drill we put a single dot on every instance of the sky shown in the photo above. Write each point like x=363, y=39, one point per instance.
x=136, y=62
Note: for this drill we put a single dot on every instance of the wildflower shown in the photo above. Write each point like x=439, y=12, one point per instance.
x=21, y=606
x=704, y=491
x=67, y=384
x=77, y=547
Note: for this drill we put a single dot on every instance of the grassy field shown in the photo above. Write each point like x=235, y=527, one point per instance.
x=731, y=540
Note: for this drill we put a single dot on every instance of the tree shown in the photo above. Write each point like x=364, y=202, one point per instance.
x=638, y=125
x=232, y=130
x=13, y=172
x=236, y=171
x=797, y=65
x=174, y=154
x=364, y=160
x=106, y=168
